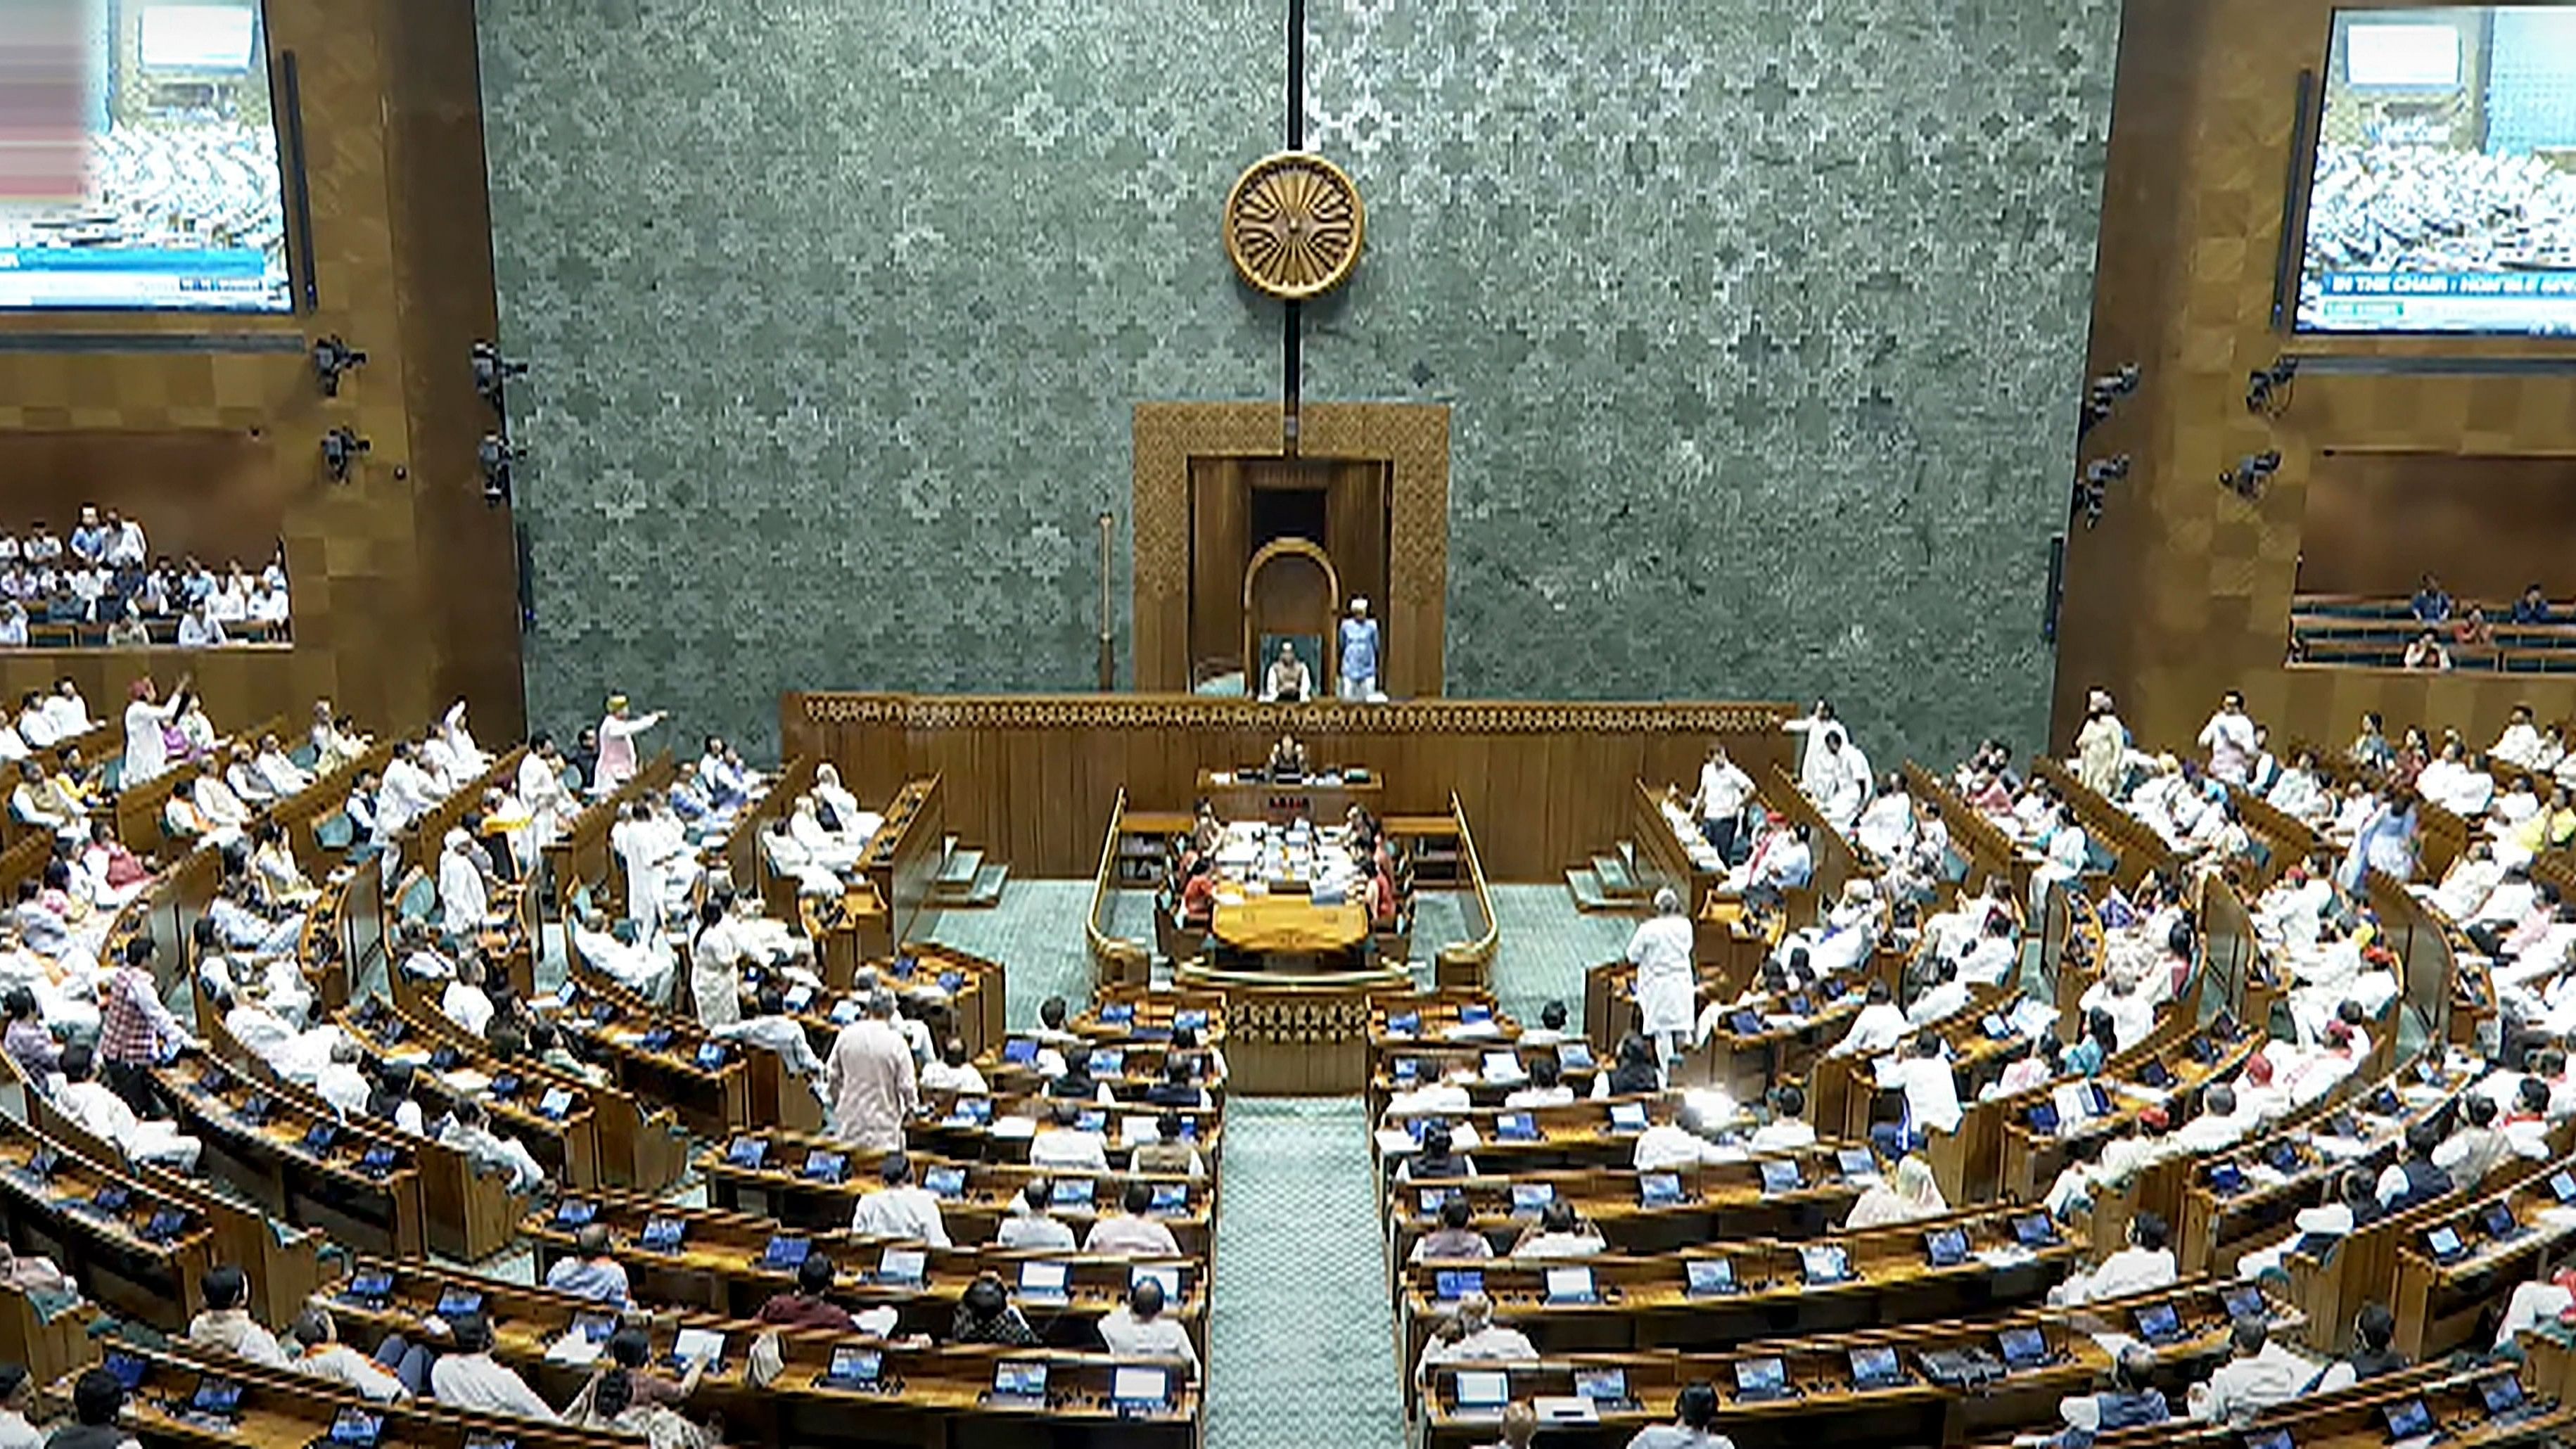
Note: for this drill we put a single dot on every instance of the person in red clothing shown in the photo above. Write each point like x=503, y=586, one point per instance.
x=1198, y=893
x=1381, y=894
x=807, y=1307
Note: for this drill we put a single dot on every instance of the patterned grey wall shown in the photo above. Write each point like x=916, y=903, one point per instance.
x=838, y=311
x=1763, y=324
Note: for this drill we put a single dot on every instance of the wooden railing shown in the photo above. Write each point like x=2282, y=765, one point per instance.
x=1113, y=958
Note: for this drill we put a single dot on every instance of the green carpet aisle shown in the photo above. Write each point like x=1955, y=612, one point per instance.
x=1546, y=945
x=1301, y=1345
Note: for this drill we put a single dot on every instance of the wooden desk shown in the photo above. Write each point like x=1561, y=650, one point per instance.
x=1323, y=796
x=268, y=1158
x=2440, y=1306
x=721, y=1265
x=1825, y=1405
x=58, y=1216
x=1290, y=930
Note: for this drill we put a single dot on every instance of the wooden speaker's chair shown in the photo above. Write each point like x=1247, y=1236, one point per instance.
x=1291, y=596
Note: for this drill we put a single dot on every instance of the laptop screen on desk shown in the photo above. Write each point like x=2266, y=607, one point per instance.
x=1761, y=1376
x=1019, y=1380
x=1139, y=1388
x=902, y=1265
x=854, y=1365
x=1045, y=1280
x=1481, y=1389
x=1601, y=1385
x=1709, y=1275
x=2023, y=1347
x=1570, y=1285
x=1451, y=1284
x=1873, y=1366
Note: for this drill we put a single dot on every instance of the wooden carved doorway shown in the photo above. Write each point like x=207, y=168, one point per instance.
x=1369, y=485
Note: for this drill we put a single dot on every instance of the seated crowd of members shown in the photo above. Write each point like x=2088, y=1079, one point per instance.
x=2314, y=926
x=104, y=574
x=1359, y=857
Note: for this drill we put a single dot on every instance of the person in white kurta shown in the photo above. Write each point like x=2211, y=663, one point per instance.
x=541, y=790
x=1667, y=989
x=462, y=900
x=147, y=753
x=638, y=849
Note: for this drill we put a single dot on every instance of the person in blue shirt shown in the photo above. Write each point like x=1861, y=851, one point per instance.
x=593, y=1270
x=2430, y=604
x=1359, y=653
x=2533, y=608
x=89, y=541
x=2130, y=1402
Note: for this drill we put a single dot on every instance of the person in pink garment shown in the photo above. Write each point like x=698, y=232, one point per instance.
x=617, y=732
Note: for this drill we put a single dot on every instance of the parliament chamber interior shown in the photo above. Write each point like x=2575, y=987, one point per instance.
x=1248, y=723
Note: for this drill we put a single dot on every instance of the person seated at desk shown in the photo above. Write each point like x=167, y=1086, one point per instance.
x=771, y=1029
x=1198, y=894
x=1132, y=1231
x=1910, y=1194
x=319, y=1354
x=1063, y=1144
x=29, y=1042
x=1033, y=1224
x=2142, y=1266
x=1551, y=1030
x=107, y=1116
x=2132, y=1401
x=1287, y=680
x=1686, y=1141
x=592, y=1271
x=1170, y=1154
x=1943, y=996
x=900, y=1207
x=1782, y=860
x=470, y=1378
x=807, y=1304
x=98, y=1409
x=2416, y=1178
x=1788, y=1130
x=1546, y=1088
x=1470, y=1335
x=985, y=1314
x=35, y=803
x=1287, y=760
x=630, y=1400
x=1076, y=1084
x=1633, y=1071
x=296, y=1055
x=2260, y=1374
x=954, y=1071
x=226, y=1324
x=2374, y=1353
x=1694, y=1424
x=1437, y=1158
x=1385, y=910
x=1879, y=1025
x=1178, y=1086
x=1455, y=1240
x=2475, y=1148
x=469, y=1130
x=1559, y=1233
x=1137, y=1329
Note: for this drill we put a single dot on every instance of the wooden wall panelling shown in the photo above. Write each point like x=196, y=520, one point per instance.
x=442, y=232
x=2184, y=589
x=2376, y=522
x=1220, y=542
x=377, y=599
x=1032, y=778
x=216, y=493
x=1166, y=437
x=1413, y=438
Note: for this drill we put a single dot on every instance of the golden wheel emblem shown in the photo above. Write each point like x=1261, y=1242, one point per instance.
x=1293, y=225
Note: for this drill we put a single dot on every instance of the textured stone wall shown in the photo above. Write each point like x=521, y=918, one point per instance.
x=839, y=311
x=1763, y=325
x=1763, y=322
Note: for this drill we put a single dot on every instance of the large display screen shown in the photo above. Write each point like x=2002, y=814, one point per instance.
x=146, y=173
x=2444, y=195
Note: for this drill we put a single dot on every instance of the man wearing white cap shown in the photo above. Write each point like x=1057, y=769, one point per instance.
x=617, y=732
x=1359, y=653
